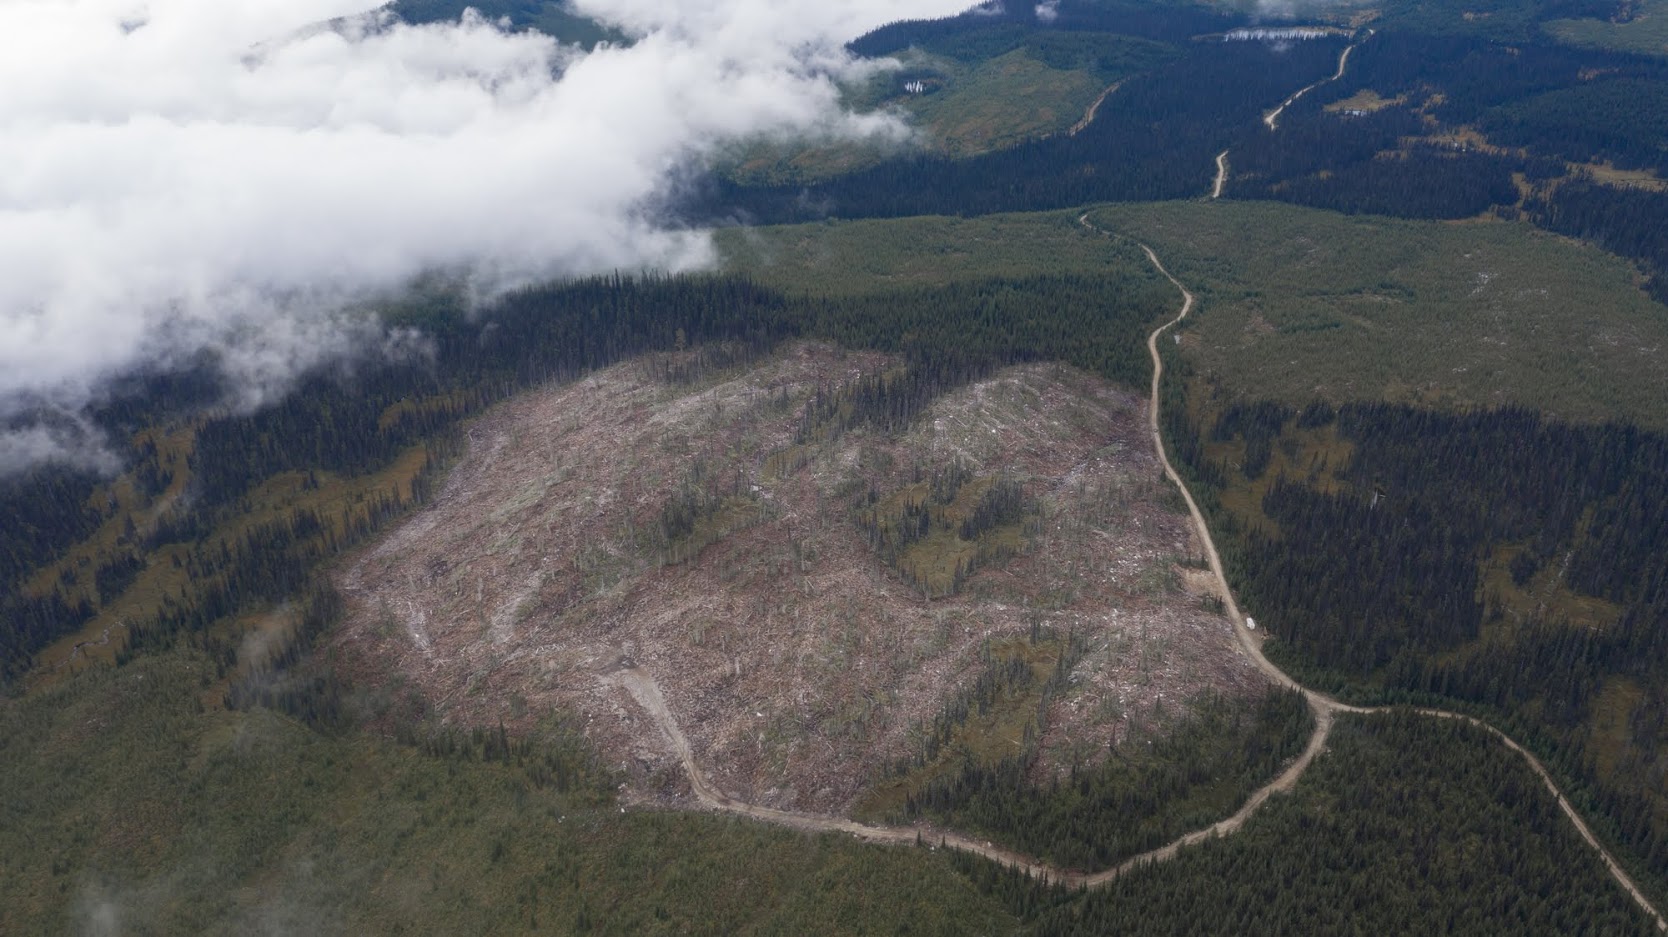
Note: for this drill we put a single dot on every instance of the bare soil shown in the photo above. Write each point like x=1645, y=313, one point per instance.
x=796, y=661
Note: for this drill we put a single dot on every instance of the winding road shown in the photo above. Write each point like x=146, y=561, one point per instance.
x=1272, y=118
x=643, y=689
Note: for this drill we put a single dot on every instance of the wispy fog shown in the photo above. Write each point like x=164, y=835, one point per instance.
x=225, y=175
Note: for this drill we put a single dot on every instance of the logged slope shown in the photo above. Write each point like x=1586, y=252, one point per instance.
x=713, y=534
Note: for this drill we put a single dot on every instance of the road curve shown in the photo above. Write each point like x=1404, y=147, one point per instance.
x=1621, y=877
x=646, y=692
x=1272, y=118
x=643, y=688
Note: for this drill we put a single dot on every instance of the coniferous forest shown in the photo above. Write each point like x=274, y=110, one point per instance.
x=1405, y=555
x=1394, y=792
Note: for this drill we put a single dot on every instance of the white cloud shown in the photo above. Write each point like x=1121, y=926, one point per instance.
x=190, y=174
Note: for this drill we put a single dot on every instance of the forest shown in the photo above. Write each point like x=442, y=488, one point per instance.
x=1197, y=772
x=1407, y=555
x=1397, y=799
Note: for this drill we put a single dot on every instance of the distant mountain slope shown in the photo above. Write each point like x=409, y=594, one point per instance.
x=551, y=17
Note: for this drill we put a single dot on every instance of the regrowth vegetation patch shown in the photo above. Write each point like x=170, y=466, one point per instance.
x=840, y=258
x=957, y=108
x=938, y=532
x=1299, y=304
x=1145, y=792
x=1636, y=26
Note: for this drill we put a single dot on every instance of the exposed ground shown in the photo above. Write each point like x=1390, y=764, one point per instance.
x=797, y=662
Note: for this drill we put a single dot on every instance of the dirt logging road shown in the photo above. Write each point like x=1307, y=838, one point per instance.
x=1325, y=707
x=1094, y=108
x=1271, y=120
x=646, y=693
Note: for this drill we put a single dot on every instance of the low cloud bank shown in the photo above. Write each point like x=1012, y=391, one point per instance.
x=186, y=176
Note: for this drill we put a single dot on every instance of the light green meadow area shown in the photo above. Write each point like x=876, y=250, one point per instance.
x=857, y=257
x=1645, y=32
x=1298, y=304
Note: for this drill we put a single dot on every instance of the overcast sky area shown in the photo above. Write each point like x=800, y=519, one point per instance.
x=185, y=175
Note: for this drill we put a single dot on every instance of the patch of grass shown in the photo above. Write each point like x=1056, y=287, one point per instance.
x=998, y=102
x=993, y=719
x=1316, y=455
x=1612, y=736
x=689, y=523
x=970, y=108
x=1365, y=101
x=1608, y=174
x=937, y=533
x=1424, y=313
x=1545, y=596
